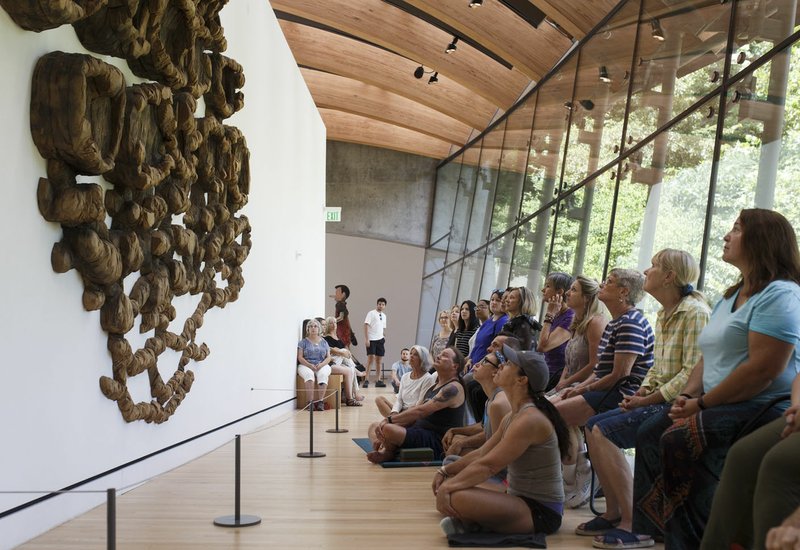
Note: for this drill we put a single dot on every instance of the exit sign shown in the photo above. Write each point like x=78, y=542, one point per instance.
x=333, y=213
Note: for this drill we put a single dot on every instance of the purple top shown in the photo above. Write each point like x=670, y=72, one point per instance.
x=555, y=358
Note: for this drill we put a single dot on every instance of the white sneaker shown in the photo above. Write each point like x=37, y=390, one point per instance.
x=452, y=526
x=579, y=495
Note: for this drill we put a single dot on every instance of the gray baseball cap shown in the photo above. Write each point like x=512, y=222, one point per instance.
x=532, y=364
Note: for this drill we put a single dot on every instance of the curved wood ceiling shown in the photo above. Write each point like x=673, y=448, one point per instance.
x=358, y=59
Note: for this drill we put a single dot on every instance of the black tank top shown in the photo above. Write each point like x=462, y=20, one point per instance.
x=443, y=419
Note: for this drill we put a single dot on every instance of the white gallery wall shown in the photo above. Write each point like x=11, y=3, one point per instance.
x=56, y=427
x=372, y=268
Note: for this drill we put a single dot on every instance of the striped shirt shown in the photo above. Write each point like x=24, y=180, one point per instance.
x=628, y=333
x=676, y=351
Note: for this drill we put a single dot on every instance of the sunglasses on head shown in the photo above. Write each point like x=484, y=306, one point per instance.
x=500, y=357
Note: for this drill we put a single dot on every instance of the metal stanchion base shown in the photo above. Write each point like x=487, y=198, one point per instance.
x=231, y=521
x=315, y=454
x=337, y=430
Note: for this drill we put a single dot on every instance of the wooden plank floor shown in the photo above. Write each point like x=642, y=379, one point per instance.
x=340, y=501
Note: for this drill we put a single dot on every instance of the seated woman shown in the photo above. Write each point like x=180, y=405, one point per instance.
x=342, y=363
x=459, y=441
x=587, y=327
x=748, y=357
x=313, y=358
x=413, y=385
x=682, y=316
x=626, y=348
x=555, y=334
x=520, y=304
x=530, y=442
x=488, y=331
x=467, y=325
x=759, y=487
x=440, y=339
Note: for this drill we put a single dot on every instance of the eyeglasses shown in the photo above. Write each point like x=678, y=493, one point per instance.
x=481, y=306
x=500, y=357
x=486, y=361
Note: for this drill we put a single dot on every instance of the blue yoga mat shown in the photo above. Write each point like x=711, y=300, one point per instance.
x=366, y=446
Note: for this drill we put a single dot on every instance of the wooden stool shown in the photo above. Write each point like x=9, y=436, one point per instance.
x=334, y=383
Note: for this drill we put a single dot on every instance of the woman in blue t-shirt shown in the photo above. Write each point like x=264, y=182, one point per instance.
x=313, y=358
x=748, y=357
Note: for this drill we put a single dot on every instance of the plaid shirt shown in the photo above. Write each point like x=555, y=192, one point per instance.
x=676, y=349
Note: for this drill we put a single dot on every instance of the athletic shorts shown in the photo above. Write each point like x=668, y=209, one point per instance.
x=375, y=347
x=545, y=519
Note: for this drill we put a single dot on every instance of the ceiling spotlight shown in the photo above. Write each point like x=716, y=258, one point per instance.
x=587, y=104
x=419, y=71
x=475, y=3
x=434, y=78
x=568, y=105
x=658, y=32
x=604, y=74
x=451, y=47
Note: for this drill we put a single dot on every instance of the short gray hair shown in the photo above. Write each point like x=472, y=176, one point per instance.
x=632, y=280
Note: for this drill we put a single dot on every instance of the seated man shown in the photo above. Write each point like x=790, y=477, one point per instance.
x=400, y=368
x=425, y=424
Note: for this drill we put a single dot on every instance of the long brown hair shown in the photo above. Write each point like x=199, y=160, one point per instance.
x=769, y=245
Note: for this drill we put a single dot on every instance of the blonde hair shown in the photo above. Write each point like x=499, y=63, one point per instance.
x=685, y=268
x=527, y=301
x=329, y=322
x=589, y=289
x=453, y=326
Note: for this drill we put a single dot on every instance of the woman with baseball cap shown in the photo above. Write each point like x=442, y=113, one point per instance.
x=530, y=443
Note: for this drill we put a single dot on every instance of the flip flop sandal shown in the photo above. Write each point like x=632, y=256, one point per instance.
x=619, y=538
x=597, y=526
x=354, y=403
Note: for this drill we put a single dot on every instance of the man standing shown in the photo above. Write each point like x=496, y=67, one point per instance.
x=341, y=293
x=374, y=336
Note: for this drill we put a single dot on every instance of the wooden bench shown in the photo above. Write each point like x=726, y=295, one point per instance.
x=334, y=383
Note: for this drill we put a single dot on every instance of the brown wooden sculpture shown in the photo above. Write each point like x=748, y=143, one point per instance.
x=87, y=98
x=49, y=14
x=164, y=167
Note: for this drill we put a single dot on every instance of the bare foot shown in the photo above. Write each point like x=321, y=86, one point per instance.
x=376, y=457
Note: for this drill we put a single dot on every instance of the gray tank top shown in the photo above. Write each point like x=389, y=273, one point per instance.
x=576, y=354
x=536, y=473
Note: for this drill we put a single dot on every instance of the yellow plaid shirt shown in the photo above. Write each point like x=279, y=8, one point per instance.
x=676, y=351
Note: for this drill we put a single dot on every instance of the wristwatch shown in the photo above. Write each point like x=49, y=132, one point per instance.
x=389, y=419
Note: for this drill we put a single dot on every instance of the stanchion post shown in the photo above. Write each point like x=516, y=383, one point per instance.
x=337, y=430
x=111, y=519
x=310, y=453
x=237, y=519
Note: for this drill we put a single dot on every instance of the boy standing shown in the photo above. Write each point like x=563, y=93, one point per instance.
x=341, y=293
x=374, y=336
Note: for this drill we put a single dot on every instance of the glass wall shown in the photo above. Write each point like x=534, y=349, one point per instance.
x=663, y=123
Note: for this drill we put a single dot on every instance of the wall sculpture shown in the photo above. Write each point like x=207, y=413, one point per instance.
x=170, y=214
